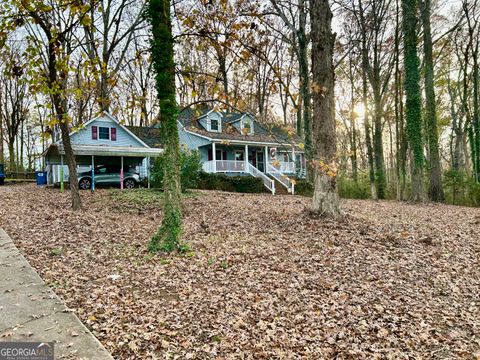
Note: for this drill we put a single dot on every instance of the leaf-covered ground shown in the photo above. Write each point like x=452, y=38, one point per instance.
x=263, y=279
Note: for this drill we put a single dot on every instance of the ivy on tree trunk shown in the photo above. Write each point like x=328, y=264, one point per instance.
x=167, y=238
x=413, y=113
x=435, y=190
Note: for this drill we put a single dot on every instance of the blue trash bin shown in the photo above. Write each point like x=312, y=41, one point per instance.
x=2, y=175
x=41, y=177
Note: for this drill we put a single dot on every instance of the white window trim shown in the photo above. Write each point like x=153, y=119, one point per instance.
x=243, y=127
x=109, y=133
x=209, y=122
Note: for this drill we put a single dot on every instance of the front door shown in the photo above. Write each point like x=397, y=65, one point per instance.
x=259, y=161
x=253, y=158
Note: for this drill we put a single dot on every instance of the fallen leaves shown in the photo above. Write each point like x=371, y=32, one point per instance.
x=263, y=280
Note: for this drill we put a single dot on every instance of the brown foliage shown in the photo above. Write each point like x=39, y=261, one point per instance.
x=263, y=280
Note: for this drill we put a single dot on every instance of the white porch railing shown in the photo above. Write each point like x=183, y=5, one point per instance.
x=223, y=166
x=284, y=166
x=281, y=178
x=267, y=182
x=232, y=166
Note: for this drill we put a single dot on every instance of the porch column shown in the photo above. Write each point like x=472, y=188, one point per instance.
x=266, y=159
x=62, y=186
x=293, y=159
x=214, y=157
x=148, y=172
x=246, y=157
x=93, y=173
x=121, y=172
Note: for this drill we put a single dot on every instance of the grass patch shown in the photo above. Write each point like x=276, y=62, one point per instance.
x=56, y=251
x=138, y=196
x=144, y=197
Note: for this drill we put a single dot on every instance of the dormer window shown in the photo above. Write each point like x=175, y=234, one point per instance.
x=247, y=127
x=215, y=125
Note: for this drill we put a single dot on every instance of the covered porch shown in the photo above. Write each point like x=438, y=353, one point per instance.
x=88, y=157
x=236, y=158
x=265, y=161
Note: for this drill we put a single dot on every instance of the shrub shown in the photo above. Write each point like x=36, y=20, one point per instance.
x=190, y=167
x=461, y=189
x=349, y=189
x=303, y=188
x=245, y=184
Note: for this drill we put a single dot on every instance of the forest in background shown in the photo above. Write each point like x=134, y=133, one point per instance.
x=255, y=56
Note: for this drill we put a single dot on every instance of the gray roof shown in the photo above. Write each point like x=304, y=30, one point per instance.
x=149, y=135
x=262, y=133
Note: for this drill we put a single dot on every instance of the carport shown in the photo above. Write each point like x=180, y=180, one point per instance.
x=93, y=155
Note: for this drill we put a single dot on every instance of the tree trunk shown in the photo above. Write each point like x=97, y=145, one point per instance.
x=475, y=142
x=167, y=238
x=57, y=79
x=413, y=96
x=72, y=166
x=11, y=154
x=2, y=157
x=325, y=197
x=368, y=139
x=380, y=181
x=435, y=190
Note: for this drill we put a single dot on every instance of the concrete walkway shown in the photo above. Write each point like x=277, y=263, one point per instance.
x=30, y=311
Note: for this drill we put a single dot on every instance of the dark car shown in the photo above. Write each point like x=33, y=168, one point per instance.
x=108, y=175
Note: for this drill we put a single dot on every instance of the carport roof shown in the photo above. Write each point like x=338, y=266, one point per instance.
x=102, y=150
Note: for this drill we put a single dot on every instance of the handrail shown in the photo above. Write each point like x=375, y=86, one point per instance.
x=238, y=166
x=281, y=178
x=284, y=166
x=223, y=166
x=267, y=182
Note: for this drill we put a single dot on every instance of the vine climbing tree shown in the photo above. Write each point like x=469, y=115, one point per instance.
x=413, y=101
x=167, y=238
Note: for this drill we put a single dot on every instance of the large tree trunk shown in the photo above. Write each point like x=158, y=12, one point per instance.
x=435, y=190
x=168, y=235
x=413, y=96
x=325, y=197
x=58, y=78
x=60, y=105
x=72, y=166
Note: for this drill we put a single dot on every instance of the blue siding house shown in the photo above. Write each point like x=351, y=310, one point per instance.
x=229, y=143
x=101, y=141
x=236, y=143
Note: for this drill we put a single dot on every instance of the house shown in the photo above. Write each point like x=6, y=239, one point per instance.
x=101, y=141
x=229, y=143
x=236, y=143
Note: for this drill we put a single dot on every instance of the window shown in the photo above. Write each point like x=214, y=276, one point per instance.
x=104, y=133
x=239, y=155
x=248, y=126
x=213, y=125
x=101, y=170
x=220, y=155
